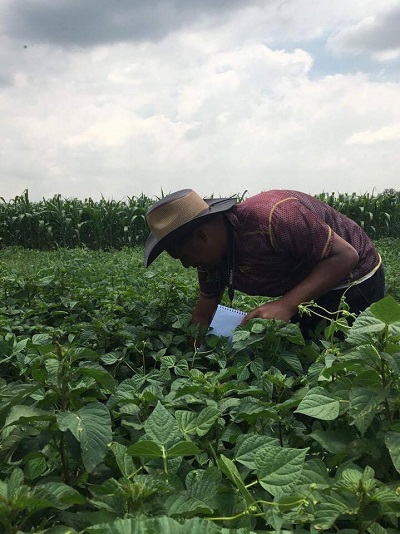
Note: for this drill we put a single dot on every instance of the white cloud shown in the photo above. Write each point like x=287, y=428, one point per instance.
x=221, y=108
x=369, y=137
x=377, y=34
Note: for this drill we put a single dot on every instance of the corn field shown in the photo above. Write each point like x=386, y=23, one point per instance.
x=378, y=215
x=69, y=223
x=110, y=224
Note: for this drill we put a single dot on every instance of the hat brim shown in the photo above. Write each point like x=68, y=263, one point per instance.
x=154, y=247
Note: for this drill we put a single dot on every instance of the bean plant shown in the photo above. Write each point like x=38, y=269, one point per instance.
x=113, y=421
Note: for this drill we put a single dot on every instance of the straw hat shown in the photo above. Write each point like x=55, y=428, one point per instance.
x=175, y=215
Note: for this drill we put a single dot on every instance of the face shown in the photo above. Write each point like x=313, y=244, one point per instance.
x=197, y=250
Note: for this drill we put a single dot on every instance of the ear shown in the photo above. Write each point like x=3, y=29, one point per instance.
x=200, y=234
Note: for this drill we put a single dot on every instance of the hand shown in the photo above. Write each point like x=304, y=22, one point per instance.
x=271, y=310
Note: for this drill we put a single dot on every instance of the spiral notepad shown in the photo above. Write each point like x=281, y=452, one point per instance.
x=225, y=321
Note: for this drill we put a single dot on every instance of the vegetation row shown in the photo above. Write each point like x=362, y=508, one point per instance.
x=111, y=224
x=112, y=422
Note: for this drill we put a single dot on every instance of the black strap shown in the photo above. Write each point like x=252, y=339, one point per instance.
x=231, y=259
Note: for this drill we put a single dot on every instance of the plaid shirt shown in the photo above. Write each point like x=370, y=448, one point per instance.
x=279, y=235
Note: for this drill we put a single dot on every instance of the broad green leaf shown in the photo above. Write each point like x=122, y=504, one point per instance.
x=72, y=422
x=161, y=426
x=369, y=378
x=292, y=332
x=320, y=404
x=205, y=420
x=385, y=494
x=53, y=371
x=78, y=353
x=328, y=510
x=247, y=446
x=36, y=467
x=186, y=421
x=229, y=468
x=15, y=482
x=204, y=490
x=334, y=441
x=97, y=372
x=392, y=442
x=41, y=339
x=386, y=310
x=364, y=328
x=24, y=415
x=375, y=528
x=146, y=449
x=364, y=405
x=278, y=468
x=185, y=506
x=128, y=389
x=163, y=525
x=314, y=472
x=183, y=448
x=61, y=495
x=60, y=529
x=123, y=459
x=91, y=426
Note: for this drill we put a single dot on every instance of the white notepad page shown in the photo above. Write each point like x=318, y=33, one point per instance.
x=225, y=321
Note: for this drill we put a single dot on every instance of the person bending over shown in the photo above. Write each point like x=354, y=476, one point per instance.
x=278, y=243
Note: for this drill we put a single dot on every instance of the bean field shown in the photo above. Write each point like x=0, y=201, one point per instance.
x=113, y=422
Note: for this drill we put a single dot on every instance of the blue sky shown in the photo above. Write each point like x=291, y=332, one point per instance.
x=118, y=99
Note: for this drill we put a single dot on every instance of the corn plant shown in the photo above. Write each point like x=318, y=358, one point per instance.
x=378, y=215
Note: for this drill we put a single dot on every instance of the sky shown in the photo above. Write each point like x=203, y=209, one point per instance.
x=118, y=99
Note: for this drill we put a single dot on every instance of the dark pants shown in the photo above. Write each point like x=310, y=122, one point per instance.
x=358, y=298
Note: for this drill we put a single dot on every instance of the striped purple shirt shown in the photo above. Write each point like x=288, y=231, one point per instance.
x=279, y=235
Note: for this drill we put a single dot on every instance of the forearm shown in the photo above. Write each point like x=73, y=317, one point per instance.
x=323, y=277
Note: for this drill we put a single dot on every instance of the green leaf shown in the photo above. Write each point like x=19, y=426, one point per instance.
x=186, y=506
x=15, y=482
x=161, y=426
x=392, y=442
x=41, y=339
x=101, y=376
x=247, y=446
x=205, y=420
x=320, y=404
x=91, y=426
x=364, y=405
x=292, y=332
x=229, y=468
x=328, y=510
x=72, y=422
x=36, y=466
x=204, y=490
x=278, y=468
x=368, y=378
x=59, y=494
x=364, y=328
x=314, y=472
x=124, y=460
x=183, y=448
x=24, y=415
x=163, y=525
x=186, y=421
x=334, y=441
x=146, y=449
x=386, y=310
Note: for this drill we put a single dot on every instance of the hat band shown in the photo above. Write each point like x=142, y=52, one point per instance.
x=172, y=215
